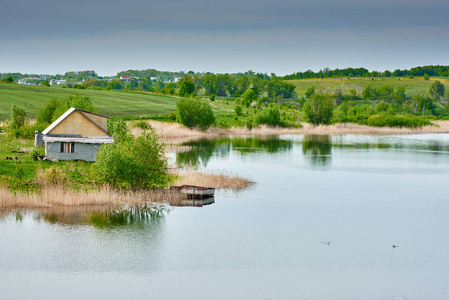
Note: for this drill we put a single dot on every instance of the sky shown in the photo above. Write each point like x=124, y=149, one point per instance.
x=228, y=36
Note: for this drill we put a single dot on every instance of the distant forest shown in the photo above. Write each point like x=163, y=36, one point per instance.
x=441, y=71
x=362, y=72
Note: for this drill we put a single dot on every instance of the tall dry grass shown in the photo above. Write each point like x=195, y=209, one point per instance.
x=174, y=133
x=57, y=195
x=215, y=179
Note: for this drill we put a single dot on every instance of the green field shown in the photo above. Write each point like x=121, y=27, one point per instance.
x=109, y=103
x=411, y=85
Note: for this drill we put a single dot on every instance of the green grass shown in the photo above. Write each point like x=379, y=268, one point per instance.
x=20, y=174
x=109, y=103
x=411, y=85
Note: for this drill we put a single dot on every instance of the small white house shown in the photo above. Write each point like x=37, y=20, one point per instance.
x=76, y=135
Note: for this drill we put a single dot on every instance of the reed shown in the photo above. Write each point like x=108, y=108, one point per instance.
x=174, y=133
x=215, y=179
x=57, y=195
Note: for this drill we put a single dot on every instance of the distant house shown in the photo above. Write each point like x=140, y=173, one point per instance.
x=124, y=78
x=76, y=135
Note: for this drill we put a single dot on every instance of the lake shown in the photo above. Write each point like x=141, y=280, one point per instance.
x=320, y=223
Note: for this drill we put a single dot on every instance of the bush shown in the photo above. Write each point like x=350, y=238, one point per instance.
x=270, y=116
x=142, y=124
x=172, y=116
x=132, y=163
x=27, y=131
x=238, y=110
x=319, y=109
x=396, y=121
x=45, y=113
x=18, y=117
x=192, y=112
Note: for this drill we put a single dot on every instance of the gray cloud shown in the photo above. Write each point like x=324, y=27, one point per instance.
x=63, y=17
x=222, y=36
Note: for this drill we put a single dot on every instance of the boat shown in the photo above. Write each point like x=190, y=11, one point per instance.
x=193, y=191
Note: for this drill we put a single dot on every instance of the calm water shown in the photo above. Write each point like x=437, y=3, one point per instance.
x=362, y=194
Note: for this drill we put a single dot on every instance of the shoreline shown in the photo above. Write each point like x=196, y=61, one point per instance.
x=175, y=133
x=56, y=195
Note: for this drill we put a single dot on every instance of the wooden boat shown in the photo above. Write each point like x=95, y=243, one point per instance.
x=194, y=191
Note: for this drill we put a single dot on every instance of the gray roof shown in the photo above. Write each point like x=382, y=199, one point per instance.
x=82, y=140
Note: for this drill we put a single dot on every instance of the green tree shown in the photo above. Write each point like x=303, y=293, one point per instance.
x=318, y=109
x=238, y=110
x=369, y=93
x=421, y=104
x=310, y=91
x=45, y=113
x=18, y=117
x=76, y=101
x=168, y=89
x=186, y=88
x=132, y=163
x=193, y=112
x=436, y=90
x=270, y=116
x=426, y=76
x=248, y=97
x=114, y=85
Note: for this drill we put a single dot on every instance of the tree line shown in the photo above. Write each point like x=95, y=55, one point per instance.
x=420, y=71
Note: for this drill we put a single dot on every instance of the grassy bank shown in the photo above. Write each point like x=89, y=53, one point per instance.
x=56, y=194
x=109, y=103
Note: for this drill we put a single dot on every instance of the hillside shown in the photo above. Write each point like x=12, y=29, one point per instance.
x=411, y=85
x=109, y=103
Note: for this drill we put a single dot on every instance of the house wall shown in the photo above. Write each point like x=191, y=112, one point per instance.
x=86, y=152
x=76, y=123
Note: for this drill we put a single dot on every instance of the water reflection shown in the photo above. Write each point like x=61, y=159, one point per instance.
x=99, y=217
x=203, y=150
x=317, y=149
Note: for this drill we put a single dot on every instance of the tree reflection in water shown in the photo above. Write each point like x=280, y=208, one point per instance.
x=99, y=217
x=203, y=150
x=317, y=149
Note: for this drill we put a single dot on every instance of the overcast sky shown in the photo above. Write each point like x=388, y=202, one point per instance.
x=282, y=37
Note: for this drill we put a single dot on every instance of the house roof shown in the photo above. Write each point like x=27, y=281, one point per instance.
x=66, y=114
x=82, y=140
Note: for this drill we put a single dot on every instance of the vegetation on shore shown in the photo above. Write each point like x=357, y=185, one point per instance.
x=132, y=170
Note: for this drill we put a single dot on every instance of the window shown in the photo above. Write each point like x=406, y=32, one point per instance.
x=67, y=147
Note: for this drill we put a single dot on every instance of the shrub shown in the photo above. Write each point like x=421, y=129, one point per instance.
x=192, y=112
x=172, y=116
x=27, y=131
x=318, y=109
x=45, y=113
x=310, y=91
x=270, y=116
x=18, y=117
x=186, y=88
x=396, y=121
x=248, y=97
x=132, y=163
x=142, y=124
x=238, y=110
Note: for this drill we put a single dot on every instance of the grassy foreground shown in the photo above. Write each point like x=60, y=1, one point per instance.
x=109, y=103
